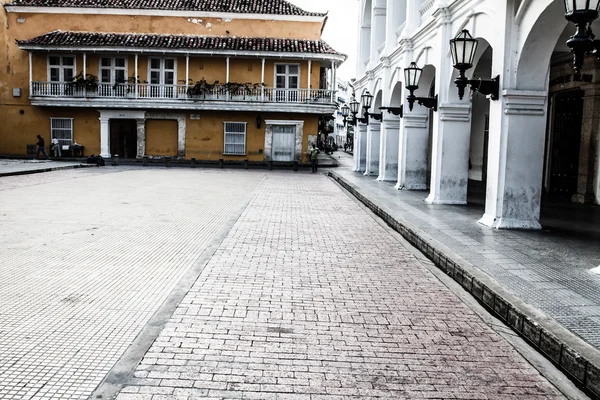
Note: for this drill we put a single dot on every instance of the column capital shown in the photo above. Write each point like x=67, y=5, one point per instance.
x=460, y=112
x=524, y=102
x=390, y=122
x=415, y=120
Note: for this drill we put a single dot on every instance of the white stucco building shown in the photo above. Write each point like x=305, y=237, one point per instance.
x=539, y=137
x=343, y=94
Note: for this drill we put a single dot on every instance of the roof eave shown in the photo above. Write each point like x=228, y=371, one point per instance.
x=338, y=58
x=165, y=13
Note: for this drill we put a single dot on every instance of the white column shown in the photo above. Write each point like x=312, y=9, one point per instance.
x=373, y=136
x=515, y=160
x=413, y=150
x=390, y=132
x=396, y=14
x=262, y=81
x=227, y=72
x=334, y=88
x=104, y=137
x=141, y=137
x=360, y=147
x=377, y=29
x=308, y=77
x=450, y=155
x=30, y=75
x=84, y=65
x=187, y=72
x=413, y=18
x=136, y=77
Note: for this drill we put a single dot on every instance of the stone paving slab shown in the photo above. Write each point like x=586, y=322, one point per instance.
x=543, y=271
x=309, y=298
x=87, y=258
x=10, y=167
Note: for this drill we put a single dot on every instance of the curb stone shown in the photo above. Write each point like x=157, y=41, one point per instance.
x=41, y=170
x=577, y=359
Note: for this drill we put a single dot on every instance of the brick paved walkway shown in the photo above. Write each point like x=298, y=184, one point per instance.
x=87, y=258
x=548, y=269
x=308, y=297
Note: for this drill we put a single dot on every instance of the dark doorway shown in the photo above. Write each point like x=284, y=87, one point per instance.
x=565, y=142
x=123, y=138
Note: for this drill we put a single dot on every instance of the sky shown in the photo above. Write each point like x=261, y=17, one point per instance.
x=341, y=30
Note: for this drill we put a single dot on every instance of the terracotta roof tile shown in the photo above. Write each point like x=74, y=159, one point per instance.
x=183, y=42
x=277, y=7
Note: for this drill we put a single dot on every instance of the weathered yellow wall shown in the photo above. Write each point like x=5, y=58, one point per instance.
x=205, y=137
x=161, y=137
x=18, y=130
x=37, y=24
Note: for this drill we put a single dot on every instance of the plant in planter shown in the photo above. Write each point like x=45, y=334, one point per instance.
x=201, y=88
x=81, y=83
x=127, y=86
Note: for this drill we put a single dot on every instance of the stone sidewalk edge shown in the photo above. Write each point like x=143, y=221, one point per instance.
x=576, y=358
x=40, y=170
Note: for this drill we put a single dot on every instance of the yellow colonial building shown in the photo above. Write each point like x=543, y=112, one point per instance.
x=199, y=79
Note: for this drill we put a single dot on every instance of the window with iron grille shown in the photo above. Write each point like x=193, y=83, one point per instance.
x=235, y=138
x=62, y=129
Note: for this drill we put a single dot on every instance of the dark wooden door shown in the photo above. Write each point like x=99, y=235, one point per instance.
x=123, y=138
x=566, y=139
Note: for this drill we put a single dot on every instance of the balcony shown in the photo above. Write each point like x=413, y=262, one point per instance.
x=184, y=97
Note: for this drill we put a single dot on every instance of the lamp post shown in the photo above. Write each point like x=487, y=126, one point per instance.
x=582, y=13
x=463, y=48
x=412, y=76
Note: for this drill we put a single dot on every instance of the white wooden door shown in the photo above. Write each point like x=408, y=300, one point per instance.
x=284, y=143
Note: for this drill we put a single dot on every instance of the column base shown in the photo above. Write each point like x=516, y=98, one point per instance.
x=432, y=200
x=583, y=198
x=510, y=223
x=105, y=155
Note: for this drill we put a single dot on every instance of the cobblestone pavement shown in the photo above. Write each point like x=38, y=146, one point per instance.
x=309, y=298
x=87, y=256
x=548, y=269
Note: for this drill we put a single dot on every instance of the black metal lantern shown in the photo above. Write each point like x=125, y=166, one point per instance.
x=582, y=13
x=463, y=48
x=367, y=98
x=354, y=106
x=412, y=76
x=258, y=121
x=345, y=110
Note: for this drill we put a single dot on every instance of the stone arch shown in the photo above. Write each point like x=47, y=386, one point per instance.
x=377, y=101
x=541, y=27
x=395, y=99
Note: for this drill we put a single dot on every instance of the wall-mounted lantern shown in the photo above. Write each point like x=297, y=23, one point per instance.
x=463, y=48
x=582, y=13
x=258, y=121
x=367, y=100
x=412, y=76
x=345, y=113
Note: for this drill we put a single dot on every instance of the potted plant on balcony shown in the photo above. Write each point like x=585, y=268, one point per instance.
x=126, y=87
x=201, y=88
x=83, y=85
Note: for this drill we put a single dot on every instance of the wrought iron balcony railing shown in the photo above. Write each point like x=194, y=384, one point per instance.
x=147, y=91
